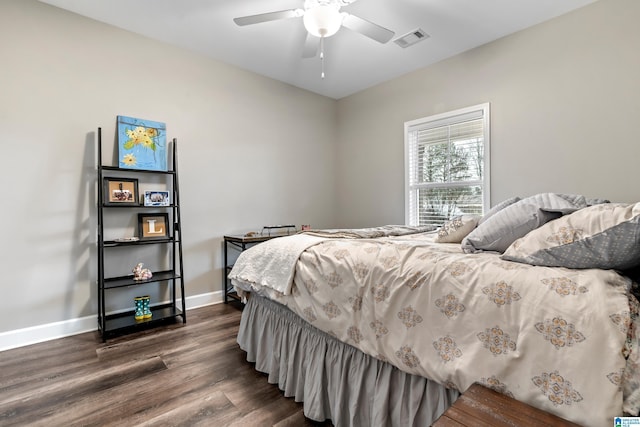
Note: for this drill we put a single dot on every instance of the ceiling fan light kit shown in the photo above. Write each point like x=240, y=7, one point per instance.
x=323, y=20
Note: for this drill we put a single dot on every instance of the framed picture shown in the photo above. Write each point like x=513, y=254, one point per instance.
x=153, y=226
x=121, y=191
x=156, y=198
x=142, y=144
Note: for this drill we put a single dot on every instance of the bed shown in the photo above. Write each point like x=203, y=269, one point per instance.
x=388, y=325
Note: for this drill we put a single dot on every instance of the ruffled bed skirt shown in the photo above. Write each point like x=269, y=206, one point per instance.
x=334, y=380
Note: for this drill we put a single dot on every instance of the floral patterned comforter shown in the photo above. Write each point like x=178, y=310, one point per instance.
x=562, y=340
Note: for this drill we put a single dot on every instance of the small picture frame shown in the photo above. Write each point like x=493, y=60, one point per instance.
x=121, y=191
x=156, y=198
x=153, y=226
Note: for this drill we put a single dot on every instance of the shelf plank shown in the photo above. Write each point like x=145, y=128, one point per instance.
x=123, y=281
x=126, y=320
x=104, y=205
x=114, y=243
x=130, y=170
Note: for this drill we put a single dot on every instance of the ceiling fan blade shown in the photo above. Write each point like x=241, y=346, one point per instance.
x=269, y=16
x=367, y=28
x=311, y=45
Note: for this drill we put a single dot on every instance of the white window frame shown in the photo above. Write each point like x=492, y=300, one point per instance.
x=457, y=116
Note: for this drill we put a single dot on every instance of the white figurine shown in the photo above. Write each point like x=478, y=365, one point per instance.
x=140, y=273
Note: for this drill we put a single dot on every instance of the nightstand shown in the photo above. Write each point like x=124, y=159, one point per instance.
x=239, y=243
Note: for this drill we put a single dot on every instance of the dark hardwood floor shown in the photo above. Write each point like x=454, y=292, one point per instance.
x=178, y=375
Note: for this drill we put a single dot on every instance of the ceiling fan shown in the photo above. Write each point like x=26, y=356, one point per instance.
x=322, y=18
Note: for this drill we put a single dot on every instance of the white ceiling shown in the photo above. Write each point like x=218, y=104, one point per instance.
x=353, y=62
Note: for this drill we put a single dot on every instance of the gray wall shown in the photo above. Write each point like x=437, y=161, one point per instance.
x=565, y=100
x=253, y=152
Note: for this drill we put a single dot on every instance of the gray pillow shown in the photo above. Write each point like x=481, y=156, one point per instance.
x=603, y=236
x=497, y=208
x=500, y=230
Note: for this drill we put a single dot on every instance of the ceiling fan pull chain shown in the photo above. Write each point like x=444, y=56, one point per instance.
x=322, y=56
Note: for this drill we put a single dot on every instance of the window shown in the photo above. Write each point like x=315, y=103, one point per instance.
x=447, y=166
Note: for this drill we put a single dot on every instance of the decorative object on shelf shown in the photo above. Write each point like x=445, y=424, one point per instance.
x=121, y=191
x=140, y=273
x=153, y=226
x=139, y=306
x=146, y=310
x=142, y=309
x=156, y=198
x=127, y=239
x=142, y=144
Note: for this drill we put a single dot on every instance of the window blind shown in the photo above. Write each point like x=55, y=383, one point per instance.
x=446, y=162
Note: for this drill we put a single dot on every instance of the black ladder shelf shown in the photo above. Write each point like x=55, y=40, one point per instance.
x=122, y=321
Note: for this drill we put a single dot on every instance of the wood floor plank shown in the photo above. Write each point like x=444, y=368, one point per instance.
x=126, y=403
x=211, y=409
x=297, y=419
x=180, y=374
x=28, y=406
x=268, y=414
x=249, y=393
x=36, y=362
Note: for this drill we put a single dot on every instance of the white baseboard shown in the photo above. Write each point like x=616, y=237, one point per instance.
x=202, y=300
x=65, y=328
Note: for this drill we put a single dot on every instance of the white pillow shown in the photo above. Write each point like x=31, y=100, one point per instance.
x=603, y=236
x=456, y=229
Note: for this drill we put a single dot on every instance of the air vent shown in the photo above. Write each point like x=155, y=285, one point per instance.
x=411, y=38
